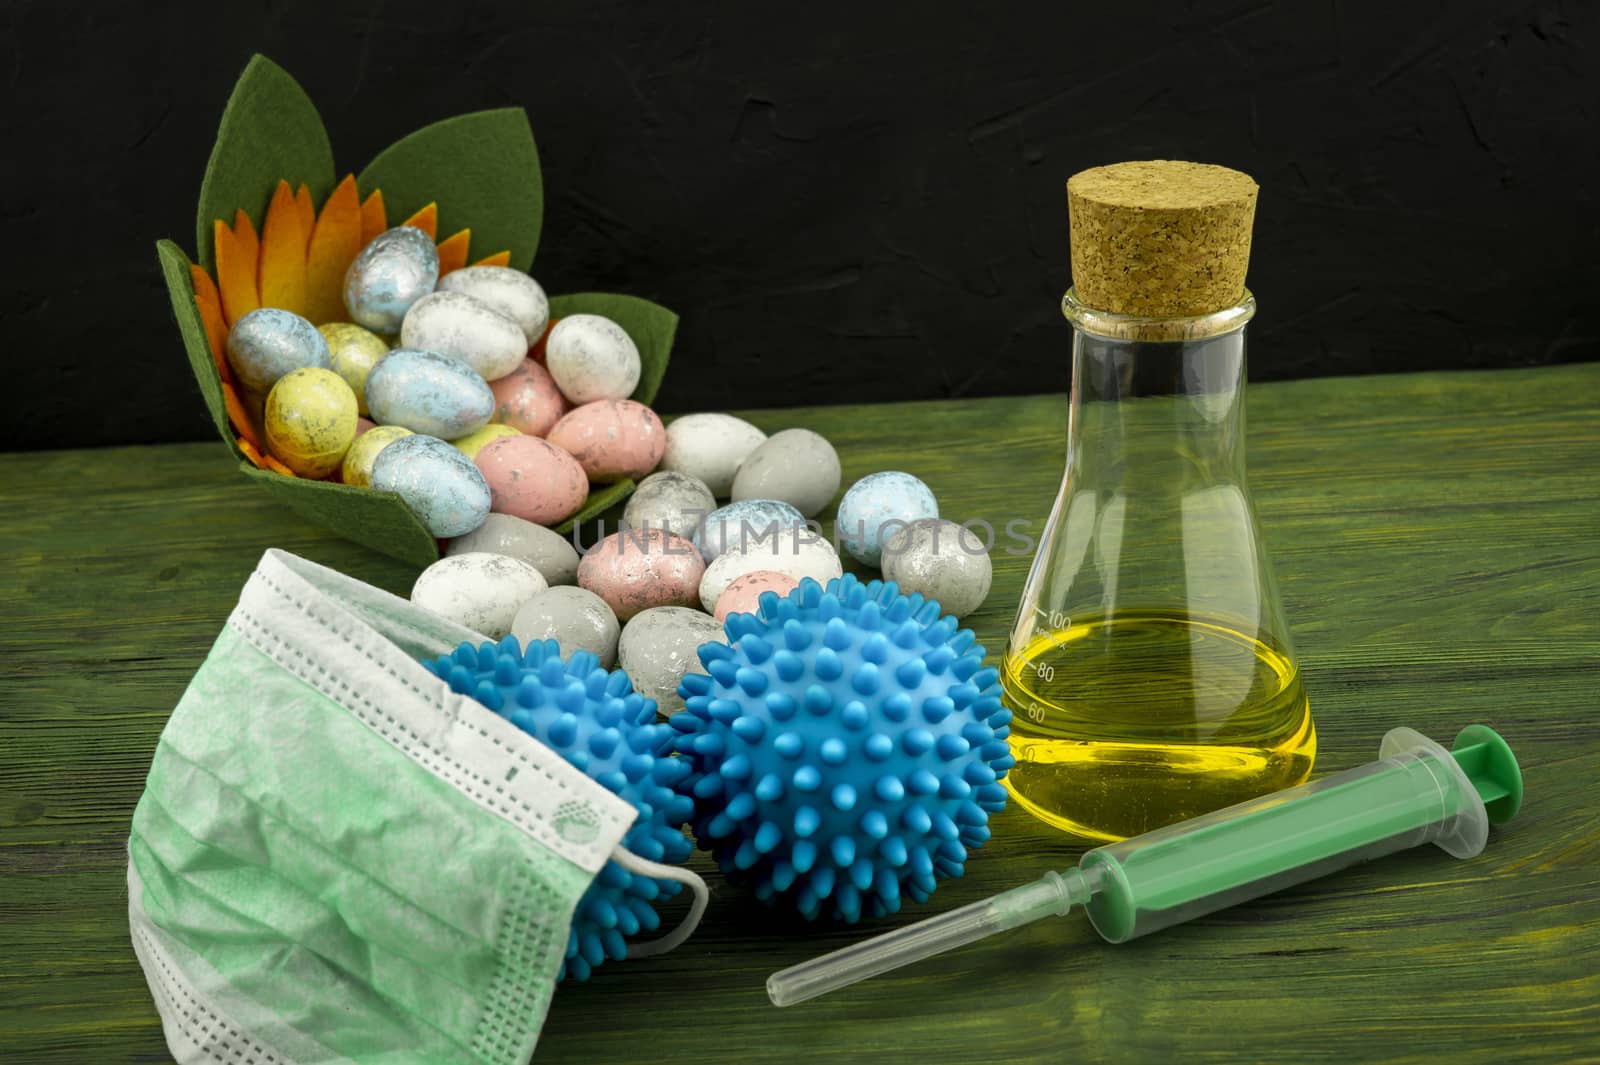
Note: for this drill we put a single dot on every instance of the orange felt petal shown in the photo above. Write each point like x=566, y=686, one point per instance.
x=262, y=460
x=453, y=252
x=426, y=220
x=244, y=232
x=307, y=209
x=374, y=219
x=499, y=258
x=238, y=415
x=334, y=243
x=236, y=275
x=536, y=353
x=283, y=254
x=210, y=306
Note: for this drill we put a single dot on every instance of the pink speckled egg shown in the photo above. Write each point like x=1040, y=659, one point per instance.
x=528, y=400
x=532, y=480
x=612, y=439
x=362, y=425
x=744, y=594
x=636, y=569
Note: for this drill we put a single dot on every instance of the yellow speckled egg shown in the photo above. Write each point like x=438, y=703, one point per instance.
x=363, y=453
x=475, y=441
x=354, y=351
x=310, y=421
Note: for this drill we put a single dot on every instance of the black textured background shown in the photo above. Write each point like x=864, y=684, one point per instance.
x=844, y=202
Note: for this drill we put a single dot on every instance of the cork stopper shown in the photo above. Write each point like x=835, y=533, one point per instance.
x=1160, y=238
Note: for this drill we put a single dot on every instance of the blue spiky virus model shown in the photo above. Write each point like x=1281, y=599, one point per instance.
x=595, y=720
x=847, y=747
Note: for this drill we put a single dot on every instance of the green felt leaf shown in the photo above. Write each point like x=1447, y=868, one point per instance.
x=378, y=520
x=600, y=500
x=180, y=287
x=651, y=326
x=482, y=169
x=270, y=132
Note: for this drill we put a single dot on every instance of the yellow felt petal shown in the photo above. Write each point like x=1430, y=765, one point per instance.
x=426, y=220
x=373, y=218
x=334, y=243
x=209, y=303
x=499, y=258
x=236, y=275
x=307, y=209
x=283, y=254
x=244, y=234
x=453, y=252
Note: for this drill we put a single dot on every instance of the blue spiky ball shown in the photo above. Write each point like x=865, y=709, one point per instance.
x=595, y=720
x=847, y=747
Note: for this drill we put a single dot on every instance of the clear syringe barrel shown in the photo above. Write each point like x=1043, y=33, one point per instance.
x=1416, y=792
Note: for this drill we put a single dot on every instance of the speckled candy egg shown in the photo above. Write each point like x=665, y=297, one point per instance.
x=796, y=466
x=428, y=393
x=807, y=555
x=612, y=439
x=710, y=447
x=511, y=292
x=357, y=467
x=478, y=439
x=354, y=352
x=310, y=421
x=636, y=569
x=748, y=524
x=672, y=501
x=576, y=619
x=480, y=591
x=392, y=272
x=436, y=482
x=940, y=560
x=453, y=323
x=268, y=343
x=876, y=506
x=527, y=399
x=743, y=595
x=544, y=549
x=658, y=647
x=592, y=358
x=532, y=479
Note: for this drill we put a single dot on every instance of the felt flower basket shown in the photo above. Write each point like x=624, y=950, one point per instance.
x=276, y=227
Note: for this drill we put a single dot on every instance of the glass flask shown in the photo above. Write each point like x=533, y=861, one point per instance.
x=1150, y=670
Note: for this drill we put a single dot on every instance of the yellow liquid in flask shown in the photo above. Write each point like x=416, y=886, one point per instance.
x=1127, y=723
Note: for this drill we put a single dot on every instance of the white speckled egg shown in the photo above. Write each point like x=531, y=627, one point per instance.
x=437, y=483
x=797, y=466
x=576, y=619
x=511, y=292
x=480, y=591
x=799, y=556
x=940, y=560
x=544, y=549
x=710, y=447
x=268, y=343
x=672, y=501
x=747, y=524
x=395, y=270
x=592, y=358
x=612, y=439
x=453, y=323
x=876, y=506
x=637, y=569
x=658, y=647
x=428, y=393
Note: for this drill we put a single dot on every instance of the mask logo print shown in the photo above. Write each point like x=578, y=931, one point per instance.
x=576, y=823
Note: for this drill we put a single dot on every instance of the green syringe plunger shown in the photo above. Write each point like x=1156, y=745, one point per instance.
x=1415, y=793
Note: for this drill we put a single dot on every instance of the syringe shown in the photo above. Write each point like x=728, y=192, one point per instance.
x=1415, y=793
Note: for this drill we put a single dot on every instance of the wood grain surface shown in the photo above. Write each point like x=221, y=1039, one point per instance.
x=1437, y=540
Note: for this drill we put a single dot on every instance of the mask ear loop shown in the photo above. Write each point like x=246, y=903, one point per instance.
x=656, y=871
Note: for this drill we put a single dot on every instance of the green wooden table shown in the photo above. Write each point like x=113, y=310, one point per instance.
x=1437, y=539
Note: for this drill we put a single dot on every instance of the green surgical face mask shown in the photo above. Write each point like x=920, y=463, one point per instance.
x=337, y=859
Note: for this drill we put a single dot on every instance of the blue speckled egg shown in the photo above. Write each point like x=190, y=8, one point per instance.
x=878, y=505
x=438, y=484
x=748, y=525
x=397, y=269
x=268, y=343
x=428, y=393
